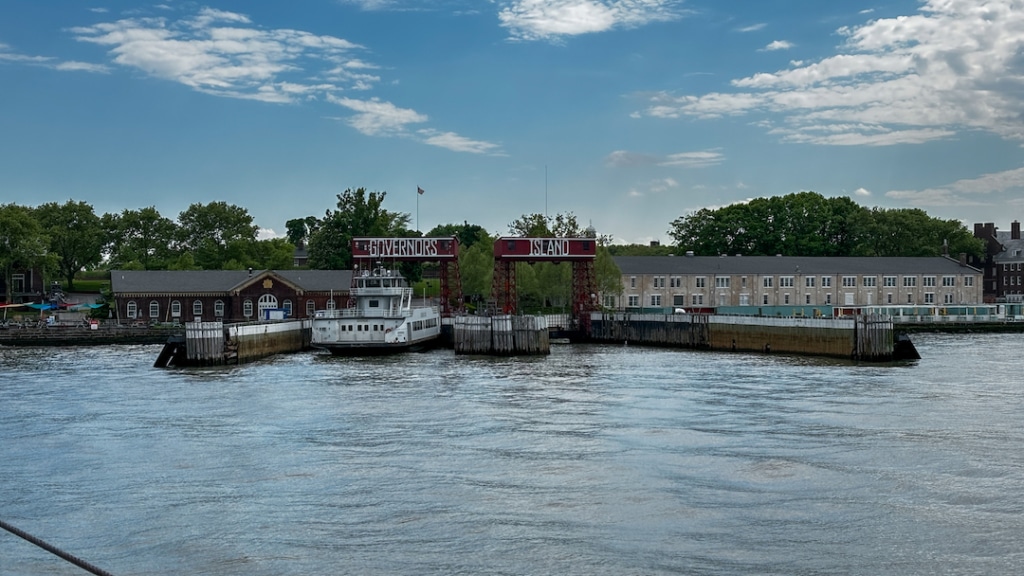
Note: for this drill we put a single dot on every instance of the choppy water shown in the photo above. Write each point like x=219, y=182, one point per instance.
x=595, y=460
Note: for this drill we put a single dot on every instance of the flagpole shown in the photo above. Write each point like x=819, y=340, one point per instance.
x=418, y=208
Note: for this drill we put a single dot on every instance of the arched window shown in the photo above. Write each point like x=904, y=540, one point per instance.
x=197, y=308
x=131, y=309
x=154, y=309
x=287, y=308
x=310, y=308
x=267, y=302
x=247, y=308
x=218, y=308
x=330, y=304
x=176, y=309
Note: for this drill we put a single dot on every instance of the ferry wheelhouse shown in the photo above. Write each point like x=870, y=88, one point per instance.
x=381, y=319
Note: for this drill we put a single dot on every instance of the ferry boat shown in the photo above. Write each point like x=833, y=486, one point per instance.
x=382, y=320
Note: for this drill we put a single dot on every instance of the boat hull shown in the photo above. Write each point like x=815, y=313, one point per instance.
x=377, y=348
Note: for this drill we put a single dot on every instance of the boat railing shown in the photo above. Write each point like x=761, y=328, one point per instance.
x=356, y=312
x=396, y=291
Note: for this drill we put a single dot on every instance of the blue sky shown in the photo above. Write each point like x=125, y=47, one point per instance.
x=628, y=113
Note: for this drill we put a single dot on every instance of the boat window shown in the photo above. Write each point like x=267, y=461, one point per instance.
x=373, y=304
x=374, y=283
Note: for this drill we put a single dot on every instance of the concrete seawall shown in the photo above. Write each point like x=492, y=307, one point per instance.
x=216, y=344
x=868, y=338
x=104, y=334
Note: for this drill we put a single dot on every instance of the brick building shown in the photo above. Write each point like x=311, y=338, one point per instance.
x=224, y=295
x=1004, y=262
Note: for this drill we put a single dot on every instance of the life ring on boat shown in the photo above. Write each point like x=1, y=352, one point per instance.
x=387, y=330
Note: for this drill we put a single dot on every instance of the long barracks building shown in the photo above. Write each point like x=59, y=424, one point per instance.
x=701, y=282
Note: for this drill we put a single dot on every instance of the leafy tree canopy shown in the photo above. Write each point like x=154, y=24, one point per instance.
x=467, y=234
x=300, y=229
x=23, y=243
x=359, y=213
x=541, y=226
x=141, y=236
x=207, y=230
x=808, y=224
x=76, y=237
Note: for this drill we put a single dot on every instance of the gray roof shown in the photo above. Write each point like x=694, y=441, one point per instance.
x=220, y=281
x=1009, y=248
x=774, y=265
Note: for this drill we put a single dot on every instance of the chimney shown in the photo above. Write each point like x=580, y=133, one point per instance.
x=250, y=271
x=945, y=247
x=963, y=258
x=978, y=229
x=1015, y=230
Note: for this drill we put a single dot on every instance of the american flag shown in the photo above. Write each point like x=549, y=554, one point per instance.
x=419, y=190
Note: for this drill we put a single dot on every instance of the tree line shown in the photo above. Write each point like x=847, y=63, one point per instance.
x=64, y=239
x=808, y=224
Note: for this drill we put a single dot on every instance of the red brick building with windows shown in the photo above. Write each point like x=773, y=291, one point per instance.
x=26, y=286
x=224, y=295
x=1004, y=262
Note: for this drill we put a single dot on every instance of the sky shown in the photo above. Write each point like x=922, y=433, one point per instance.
x=627, y=113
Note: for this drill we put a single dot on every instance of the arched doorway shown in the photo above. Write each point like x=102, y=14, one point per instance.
x=266, y=302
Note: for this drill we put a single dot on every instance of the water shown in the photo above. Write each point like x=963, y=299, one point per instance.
x=595, y=460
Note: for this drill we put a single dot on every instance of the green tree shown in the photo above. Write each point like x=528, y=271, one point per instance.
x=75, y=234
x=23, y=243
x=467, y=234
x=609, y=277
x=358, y=214
x=142, y=236
x=476, y=266
x=184, y=262
x=911, y=232
x=800, y=224
x=207, y=230
x=541, y=226
x=300, y=229
x=274, y=254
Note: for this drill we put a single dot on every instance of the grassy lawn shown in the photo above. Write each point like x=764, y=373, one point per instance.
x=92, y=286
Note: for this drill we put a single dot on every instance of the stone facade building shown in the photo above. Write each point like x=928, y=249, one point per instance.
x=706, y=282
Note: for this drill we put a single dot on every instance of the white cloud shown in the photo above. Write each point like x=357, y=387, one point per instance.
x=862, y=192
x=623, y=158
x=371, y=5
x=778, y=45
x=1009, y=185
x=955, y=65
x=753, y=27
x=699, y=159
x=73, y=66
x=454, y=142
x=553, y=19
x=663, y=185
x=224, y=54
x=378, y=118
x=6, y=55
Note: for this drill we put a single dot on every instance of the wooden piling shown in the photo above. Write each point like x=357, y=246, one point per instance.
x=503, y=335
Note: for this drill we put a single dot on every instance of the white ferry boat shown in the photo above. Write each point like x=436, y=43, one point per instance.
x=382, y=321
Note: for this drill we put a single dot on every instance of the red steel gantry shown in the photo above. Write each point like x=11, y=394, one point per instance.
x=581, y=252
x=445, y=251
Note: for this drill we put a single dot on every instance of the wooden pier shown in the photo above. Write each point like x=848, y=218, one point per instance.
x=504, y=335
